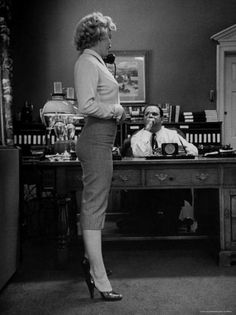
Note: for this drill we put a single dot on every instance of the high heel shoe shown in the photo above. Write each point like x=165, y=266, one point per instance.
x=86, y=266
x=90, y=284
x=111, y=296
x=108, y=296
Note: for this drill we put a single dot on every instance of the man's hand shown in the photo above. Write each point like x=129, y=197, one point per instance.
x=149, y=124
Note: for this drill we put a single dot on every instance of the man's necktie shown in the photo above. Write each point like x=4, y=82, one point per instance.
x=154, y=142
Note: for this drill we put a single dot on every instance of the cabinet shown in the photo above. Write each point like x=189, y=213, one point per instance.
x=9, y=212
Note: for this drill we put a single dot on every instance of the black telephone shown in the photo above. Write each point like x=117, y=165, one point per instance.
x=110, y=58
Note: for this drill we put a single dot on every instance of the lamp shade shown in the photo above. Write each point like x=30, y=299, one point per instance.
x=55, y=110
x=59, y=106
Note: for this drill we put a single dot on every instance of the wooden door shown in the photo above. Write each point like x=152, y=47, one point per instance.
x=230, y=101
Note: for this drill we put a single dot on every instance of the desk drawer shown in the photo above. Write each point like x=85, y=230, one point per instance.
x=177, y=177
x=30, y=176
x=48, y=179
x=229, y=176
x=126, y=178
x=205, y=176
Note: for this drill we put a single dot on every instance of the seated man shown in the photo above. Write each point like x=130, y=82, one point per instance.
x=151, y=209
x=141, y=142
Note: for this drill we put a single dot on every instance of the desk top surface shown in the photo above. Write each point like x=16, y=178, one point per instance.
x=139, y=161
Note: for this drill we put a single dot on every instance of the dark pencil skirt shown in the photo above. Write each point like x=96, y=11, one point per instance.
x=94, y=150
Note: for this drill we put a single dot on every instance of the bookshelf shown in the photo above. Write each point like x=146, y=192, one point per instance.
x=29, y=134
x=37, y=135
x=201, y=134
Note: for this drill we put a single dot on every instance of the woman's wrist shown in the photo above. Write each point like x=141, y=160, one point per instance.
x=118, y=111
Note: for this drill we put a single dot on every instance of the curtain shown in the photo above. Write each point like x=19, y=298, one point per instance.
x=6, y=72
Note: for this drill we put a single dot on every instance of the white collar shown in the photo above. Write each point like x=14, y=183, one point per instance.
x=94, y=53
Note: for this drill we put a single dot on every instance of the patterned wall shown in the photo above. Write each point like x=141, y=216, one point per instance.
x=6, y=67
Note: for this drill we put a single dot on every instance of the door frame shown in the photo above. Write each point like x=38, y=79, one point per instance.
x=226, y=44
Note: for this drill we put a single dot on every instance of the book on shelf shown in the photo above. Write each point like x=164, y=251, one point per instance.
x=174, y=112
x=177, y=113
x=196, y=117
x=171, y=113
x=210, y=112
x=166, y=111
x=187, y=113
x=211, y=115
x=189, y=120
x=188, y=117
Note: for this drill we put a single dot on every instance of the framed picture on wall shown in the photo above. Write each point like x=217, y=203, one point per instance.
x=130, y=70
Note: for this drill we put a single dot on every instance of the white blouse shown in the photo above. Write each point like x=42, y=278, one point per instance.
x=96, y=89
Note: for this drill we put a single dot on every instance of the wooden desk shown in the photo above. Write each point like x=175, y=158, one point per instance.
x=138, y=173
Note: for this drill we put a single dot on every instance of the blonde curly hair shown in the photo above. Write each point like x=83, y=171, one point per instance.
x=92, y=28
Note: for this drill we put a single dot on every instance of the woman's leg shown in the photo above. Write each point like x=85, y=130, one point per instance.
x=93, y=250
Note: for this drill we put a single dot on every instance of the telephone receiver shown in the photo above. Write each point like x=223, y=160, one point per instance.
x=110, y=58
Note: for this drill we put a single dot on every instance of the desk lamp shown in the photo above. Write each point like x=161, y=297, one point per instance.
x=58, y=115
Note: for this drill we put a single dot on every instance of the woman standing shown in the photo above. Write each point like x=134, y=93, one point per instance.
x=98, y=99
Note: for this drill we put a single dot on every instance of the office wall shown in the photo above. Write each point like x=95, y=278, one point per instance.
x=182, y=63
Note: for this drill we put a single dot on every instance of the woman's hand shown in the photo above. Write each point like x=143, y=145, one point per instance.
x=121, y=119
x=119, y=115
